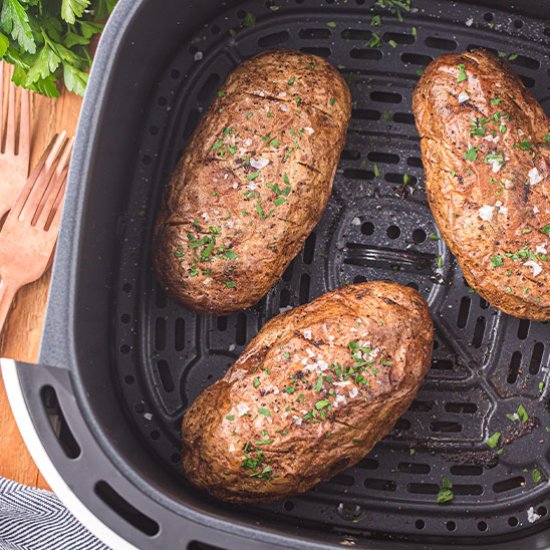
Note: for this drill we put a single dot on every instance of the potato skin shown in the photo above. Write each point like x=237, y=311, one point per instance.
x=493, y=215
x=268, y=393
x=228, y=225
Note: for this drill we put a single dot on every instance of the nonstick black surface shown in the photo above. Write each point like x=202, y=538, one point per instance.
x=377, y=226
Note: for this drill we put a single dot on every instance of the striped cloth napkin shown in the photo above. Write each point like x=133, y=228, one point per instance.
x=34, y=519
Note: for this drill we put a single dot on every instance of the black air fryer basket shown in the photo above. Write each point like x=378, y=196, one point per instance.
x=120, y=362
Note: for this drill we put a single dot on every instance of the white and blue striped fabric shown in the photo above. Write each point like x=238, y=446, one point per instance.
x=33, y=519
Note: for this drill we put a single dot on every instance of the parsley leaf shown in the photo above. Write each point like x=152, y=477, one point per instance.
x=49, y=41
x=493, y=440
x=445, y=493
x=462, y=76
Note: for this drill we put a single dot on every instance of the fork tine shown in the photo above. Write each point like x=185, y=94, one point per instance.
x=38, y=172
x=54, y=220
x=44, y=212
x=11, y=125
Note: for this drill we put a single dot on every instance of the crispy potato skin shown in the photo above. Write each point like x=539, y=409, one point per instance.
x=228, y=225
x=224, y=428
x=485, y=213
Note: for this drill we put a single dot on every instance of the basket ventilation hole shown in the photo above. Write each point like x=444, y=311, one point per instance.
x=209, y=87
x=479, y=331
x=146, y=159
x=380, y=484
x=542, y=511
x=488, y=16
x=523, y=329
x=420, y=524
x=387, y=158
x=165, y=375
x=127, y=287
x=160, y=298
x=509, y=484
x=321, y=52
x=284, y=298
x=129, y=379
x=125, y=510
x=175, y=458
x=482, y=526
x=288, y=505
x=463, y=311
x=419, y=236
x=451, y=525
x=305, y=281
x=441, y=43
x=513, y=370
x=416, y=59
x=359, y=53
x=240, y=336
x=513, y=522
x=367, y=228
x=536, y=358
x=393, y=232
x=309, y=249
x=125, y=318
x=59, y=425
x=221, y=323
x=399, y=38
x=125, y=349
x=196, y=545
x=160, y=333
x=179, y=334
x=155, y=435
x=314, y=34
x=359, y=279
x=273, y=39
x=518, y=23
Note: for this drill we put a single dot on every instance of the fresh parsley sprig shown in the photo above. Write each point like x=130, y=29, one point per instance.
x=48, y=41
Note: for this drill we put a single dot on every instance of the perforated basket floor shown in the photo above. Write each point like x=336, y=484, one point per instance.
x=377, y=226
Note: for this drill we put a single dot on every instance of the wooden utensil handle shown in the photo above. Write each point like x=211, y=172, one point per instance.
x=8, y=289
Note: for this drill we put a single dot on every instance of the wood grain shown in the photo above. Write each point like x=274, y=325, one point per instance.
x=21, y=336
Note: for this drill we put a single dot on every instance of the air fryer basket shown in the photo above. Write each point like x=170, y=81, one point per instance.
x=127, y=361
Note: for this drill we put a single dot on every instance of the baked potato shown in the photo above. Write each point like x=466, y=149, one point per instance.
x=485, y=151
x=311, y=394
x=253, y=182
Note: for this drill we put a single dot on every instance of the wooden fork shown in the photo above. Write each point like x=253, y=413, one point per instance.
x=15, y=143
x=28, y=237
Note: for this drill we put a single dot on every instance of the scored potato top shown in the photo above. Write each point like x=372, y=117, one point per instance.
x=310, y=395
x=253, y=182
x=485, y=150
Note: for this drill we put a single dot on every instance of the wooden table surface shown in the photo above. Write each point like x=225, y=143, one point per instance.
x=21, y=336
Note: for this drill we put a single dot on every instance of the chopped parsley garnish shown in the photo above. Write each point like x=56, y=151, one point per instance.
x=462, y=76
x=264, y=411
x=493, y=440
x=332, y=101
x=495, y=101
x=525, y=145
x=433, y=237
x=445, y=491
x=322, y=404
x=331, y=24
x=256, y=382
x=522, y=414
x=376, y=170
x=375, y=21
x=546, y=230
x=230, y=284
x=392, y=43
x=292, y=81
x=374, y=41
x=249, y=20
x=230, y=417
x=471, y=154
x=253, y=175
x=536, y=476
x=497, y=261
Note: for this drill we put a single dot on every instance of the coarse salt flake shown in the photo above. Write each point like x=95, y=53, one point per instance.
x=463, y=96
x=534, y=266
x=486, y=212
x=354, y=392
x=259, y=164
x=307, y=335
x=242, y=409
x=534, y=176
x=532, y=516
x=356, y=221
x=541, y=249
